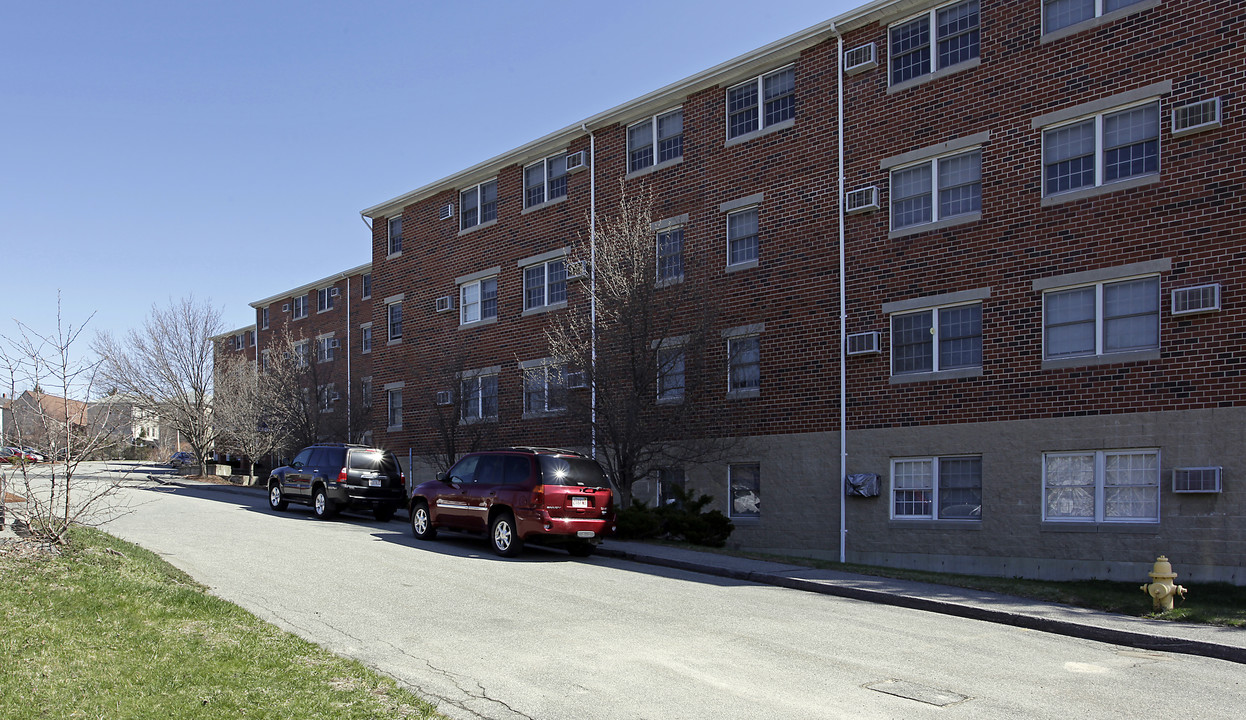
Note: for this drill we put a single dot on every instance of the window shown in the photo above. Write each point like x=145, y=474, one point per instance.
x=264, y=318
x=365, y=389
x=545, y=284
x=478, y=397
x=544, y=389
x=670, y=478
x=777, y=91
x=395, y=235
x=240, y=341
x=956, y=40
x=668, y=128
x=671, y=254
x=478, y=205
x=545, y=180
x=478, y=300
x=324, y=299
x=1059, y=14
x=670, y=374
x=325, y=396
x=324, y=349
x=393, y=400
x=745, y=486
x=956, y=180
x=367, y=285
x=1101, y=486
x=395, y=320
x=743, y=363
x=264, y=360
x=742, y=236
x=298, y=307
x=955, y=331
x=1101, y=319
x=938, y=488
x=1102, y=149
x=365, y=340
x=300, y=354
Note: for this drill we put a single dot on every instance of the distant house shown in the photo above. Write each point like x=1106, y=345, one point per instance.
x=45, y=422
x=120, y=417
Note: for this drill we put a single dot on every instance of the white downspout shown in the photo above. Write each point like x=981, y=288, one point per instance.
x=349, y=378
x=843, y=316
x=592, y=282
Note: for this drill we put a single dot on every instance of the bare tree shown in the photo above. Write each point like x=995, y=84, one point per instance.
x=52, y=423
x=644, y=352
x=303, y=403
x=244, y=412
x=464, y=414
x=166, y=368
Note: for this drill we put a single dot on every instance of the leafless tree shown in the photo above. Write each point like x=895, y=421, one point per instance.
x=463, y=414
x=648, y=359
x=244, y=412
x=51, y=422
x=166, y=368
x=302, y=396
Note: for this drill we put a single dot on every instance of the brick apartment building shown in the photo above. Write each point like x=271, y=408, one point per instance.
x=1042, y=271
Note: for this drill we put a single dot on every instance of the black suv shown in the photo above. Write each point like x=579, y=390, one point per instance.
x=334, y=476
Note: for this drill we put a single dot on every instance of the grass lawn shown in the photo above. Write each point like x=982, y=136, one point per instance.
x=1208, y=603
x=109, y=630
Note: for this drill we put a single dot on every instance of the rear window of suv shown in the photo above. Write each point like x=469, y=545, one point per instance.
x=378, y=460
x=571, y=471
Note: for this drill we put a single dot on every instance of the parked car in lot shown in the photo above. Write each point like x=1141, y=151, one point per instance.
x=516, y=495
x=335, y=476
x=179, y=460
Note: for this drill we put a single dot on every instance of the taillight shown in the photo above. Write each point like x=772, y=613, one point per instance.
x=341, y=476
x=538, y=496
x=402, y=478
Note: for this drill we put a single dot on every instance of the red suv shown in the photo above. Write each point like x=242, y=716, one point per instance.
x=517, y=495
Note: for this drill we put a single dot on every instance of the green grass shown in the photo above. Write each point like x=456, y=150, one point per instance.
x=109, y=630
x=1206, y=603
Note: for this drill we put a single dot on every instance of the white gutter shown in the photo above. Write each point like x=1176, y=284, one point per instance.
x=349, y=378
x=843, y=317
x=592, y=281
x=304, y=289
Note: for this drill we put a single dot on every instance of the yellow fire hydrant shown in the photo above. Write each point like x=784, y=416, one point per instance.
x=1161, y=589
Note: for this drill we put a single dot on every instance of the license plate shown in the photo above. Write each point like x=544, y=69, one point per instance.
x=374, y=482
x=579, y=501
x=585, y=533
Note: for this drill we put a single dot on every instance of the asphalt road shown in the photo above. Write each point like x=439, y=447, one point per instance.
x=548, y=636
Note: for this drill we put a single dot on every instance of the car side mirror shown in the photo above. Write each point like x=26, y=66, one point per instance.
x=441, y=476
x=296, y=465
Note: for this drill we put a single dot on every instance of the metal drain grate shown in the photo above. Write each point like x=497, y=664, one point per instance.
x=920, y=693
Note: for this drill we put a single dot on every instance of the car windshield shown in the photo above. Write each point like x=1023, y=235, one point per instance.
x=572, y=471
x=377, y=460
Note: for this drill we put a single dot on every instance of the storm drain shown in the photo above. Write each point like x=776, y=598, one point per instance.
x=920, y=693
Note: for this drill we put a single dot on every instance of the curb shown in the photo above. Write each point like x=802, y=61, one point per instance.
x=1142, y=641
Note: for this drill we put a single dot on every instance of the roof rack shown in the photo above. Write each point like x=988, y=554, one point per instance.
x=535, y=450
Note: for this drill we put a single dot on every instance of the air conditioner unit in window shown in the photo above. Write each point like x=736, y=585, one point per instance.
x=444, y=303
x=333, y=292
x=1196, y=480
x=1204, y=115
x=576, y=380
x=861, y=200
x=334, y=397
x=860, y=58
x=1202, y=298
x=864, y=343
x=447, y=211
x=577, y=269
x=335, y=343
x=577, y=161
x=285, y=308
x=444, y=397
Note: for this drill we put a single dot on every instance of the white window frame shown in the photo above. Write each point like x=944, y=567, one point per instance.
x=731, y=497
x=546, y=284
x=679, y=256
x=476, y=398
x=265, y=360
x=935, y=189
x=931, y=17
x=389, y=320
x=264, y=318
x=469, y=307
x=324, y=397
x=732, y=365
x=655, y=141
x=365, y=389
x=756, y=243
x=298, y=307
x=393, y=408
x=365, y=338
x=1100, y=486
x=300, y=353
x=546, y=180
x=553, y=381
x=760, y=124
x=1100, y=319
x=934, y=311
x=394, y=241
x=324, y=349
x=1098, y=12
x=366, y=291
x=934, y=488
x=478, y=191
x=675, y=350
x=1101, y=149
x=324, y=299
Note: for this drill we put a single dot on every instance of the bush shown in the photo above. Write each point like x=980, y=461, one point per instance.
x=683, y=519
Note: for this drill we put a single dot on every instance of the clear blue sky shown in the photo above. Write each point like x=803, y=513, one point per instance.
x=149, y=150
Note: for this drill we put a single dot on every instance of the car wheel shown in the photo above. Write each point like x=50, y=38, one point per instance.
x=504, y=537
x=276, y=498
x=581, y=549
x=422, y=522
x=322, y=506
x=384, y=513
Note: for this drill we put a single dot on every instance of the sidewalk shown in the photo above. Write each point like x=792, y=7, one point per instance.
x=1157, y=635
